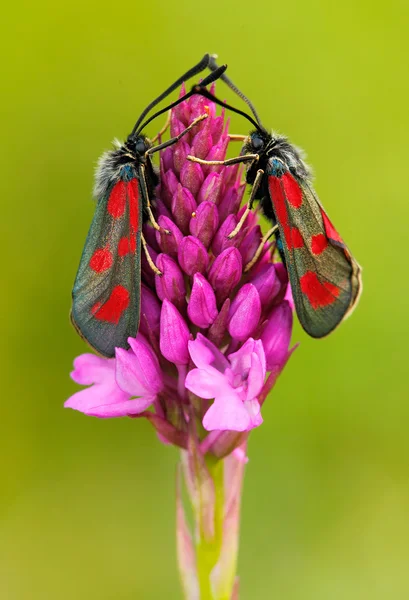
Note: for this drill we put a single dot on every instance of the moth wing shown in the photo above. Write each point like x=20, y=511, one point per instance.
x=106, y=293
x=325, y=278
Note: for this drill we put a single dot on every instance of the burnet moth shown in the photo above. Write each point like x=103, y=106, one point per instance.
x=106, y=294
x=325, y=278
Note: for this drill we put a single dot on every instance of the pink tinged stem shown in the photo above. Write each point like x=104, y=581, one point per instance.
x=223, y=575
x=214, y=491
x=185, y=549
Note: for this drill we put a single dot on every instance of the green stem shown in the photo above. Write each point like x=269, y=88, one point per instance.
x=208, y=551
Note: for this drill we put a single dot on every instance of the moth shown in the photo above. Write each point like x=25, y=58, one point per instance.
x=324, y=276
x=106, y=293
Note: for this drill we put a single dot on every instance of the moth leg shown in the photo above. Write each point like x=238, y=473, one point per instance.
x=149, y=258
x=229, y=161
x=158, y=136
x=259, y=250
x=177, y=137
x=236, y=137
x=249, y=207
x=144, y=189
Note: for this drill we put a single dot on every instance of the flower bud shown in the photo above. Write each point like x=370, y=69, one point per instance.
x=167, y=159
x=150, y=312
x=218, y=152
x=245, y=312
x=203, y=141
x=182, y=110
x=147, y=272
x=221, y=240
x=225, y=273
x=211, y=188
x=174, y=335
x=202, y=309
x=168, y=186
x=182, y=149
x=183, y=205
x=168, y=242
x=170, y=284
x=217, y=127
x=230, y=203
x=176, y=126
x=192, y=255
x=282, y=275
x=191, y=176
x=150, y=237
x=249, y=245
x=198, y=106
x=277, y=334
x=268, y=285
x=205, y=222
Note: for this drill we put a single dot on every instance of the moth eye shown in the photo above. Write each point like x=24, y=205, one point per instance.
x=257, y=142
x=140, y=147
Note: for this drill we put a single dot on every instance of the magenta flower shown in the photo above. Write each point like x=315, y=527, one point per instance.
x=213, y=338
x=113, y=382
x=233, y=381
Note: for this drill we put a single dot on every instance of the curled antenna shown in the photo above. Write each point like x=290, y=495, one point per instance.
x=213, y=66
x=201, y=66
x=197, y=89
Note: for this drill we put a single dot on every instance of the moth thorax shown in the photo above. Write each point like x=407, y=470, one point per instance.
x=127, y=173
x=277, y=167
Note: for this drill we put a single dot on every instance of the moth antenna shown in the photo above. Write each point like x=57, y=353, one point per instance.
x=213, y=66
x=215, y=74
x=201, y=66
x=198, y=89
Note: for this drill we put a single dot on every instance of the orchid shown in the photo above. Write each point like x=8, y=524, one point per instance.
x=213, y=338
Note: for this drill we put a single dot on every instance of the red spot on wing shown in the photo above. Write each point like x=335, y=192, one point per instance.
x=318, y=243
x=330, y=230
x=127, y=244
x=296, y=238
x=319, y=294
x=117, y=200
x=123, y=246
x=292, y=190
x=278, y=200
x=101, y=260
x=112, y=310
x=133, y=195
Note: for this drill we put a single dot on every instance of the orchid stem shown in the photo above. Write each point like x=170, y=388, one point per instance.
x=208, y=551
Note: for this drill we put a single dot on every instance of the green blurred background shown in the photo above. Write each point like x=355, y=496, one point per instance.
x=87, y=506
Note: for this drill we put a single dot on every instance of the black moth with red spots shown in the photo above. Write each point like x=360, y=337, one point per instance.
x=325, y=278
x=106, y=294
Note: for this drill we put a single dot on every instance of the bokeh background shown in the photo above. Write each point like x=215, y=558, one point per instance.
x=87, y=506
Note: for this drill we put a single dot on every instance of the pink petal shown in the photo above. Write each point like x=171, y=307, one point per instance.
x=97, y=395
x=227, y=413
x=240, y=361
x=204, y=353
x=253, y=410
x=121, y=409
x=89, y=368
x=137, y=370
x=206, y=383
x=256, y=376
x=259, y=350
